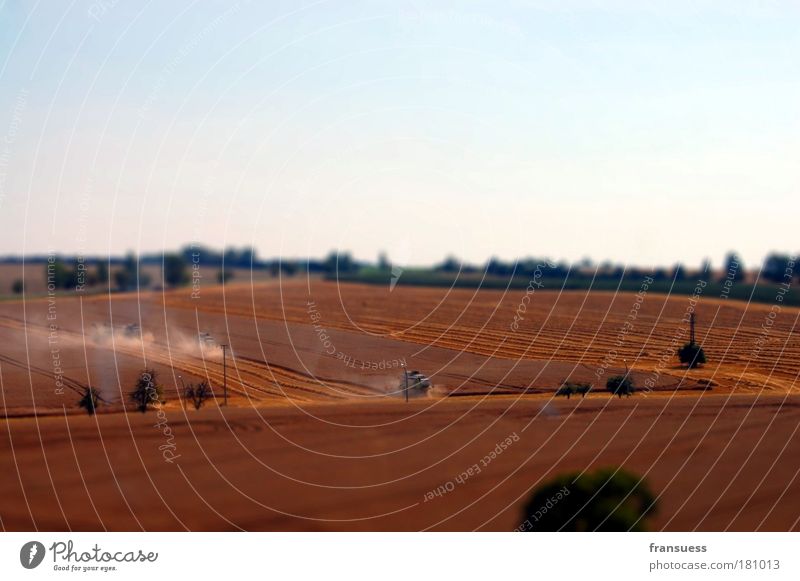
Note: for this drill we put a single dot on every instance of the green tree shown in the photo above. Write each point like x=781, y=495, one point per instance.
x=18, y=287
x=147, y=390
x=620, y=385
x=605, y=500
x=174, y=269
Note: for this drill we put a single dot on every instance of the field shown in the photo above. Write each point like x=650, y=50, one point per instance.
x=317, y=435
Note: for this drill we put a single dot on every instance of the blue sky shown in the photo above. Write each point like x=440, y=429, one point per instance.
x=640, y=132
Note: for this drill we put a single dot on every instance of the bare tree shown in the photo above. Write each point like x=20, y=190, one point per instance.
x=197, y=393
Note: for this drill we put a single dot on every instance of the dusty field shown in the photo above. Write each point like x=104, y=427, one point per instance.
x=316, y=435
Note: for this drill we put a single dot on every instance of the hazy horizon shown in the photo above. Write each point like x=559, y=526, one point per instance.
x=644, y=135
x=717, y=263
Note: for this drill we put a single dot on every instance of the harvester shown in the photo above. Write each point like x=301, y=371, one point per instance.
x=414, y=383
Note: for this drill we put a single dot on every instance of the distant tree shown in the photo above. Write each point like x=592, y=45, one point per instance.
x=678, y=272
x=706, y=269
x=197, y=393
x=733, y=269
x=660, y=274
x=341, y=263
x=58, y=274
x=130, y=275
x=123, y=280
x=450, y=264
x=383, y=262
x=147, y=390
x=89, y=400
x=280, y=267
x=620, y=385
x=247, y=257
x=17, y=287
x=606, y=500
x=244, y=258
x=174, y=268
x=778, y=268
x=692, y=355
x=224, y=276
x=102, y=272
x=289, y=268
x=230, y=257
x=497, y=267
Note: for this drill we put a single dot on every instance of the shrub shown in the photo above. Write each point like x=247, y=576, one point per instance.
x=569, y=388
x=147, y=390
x=18, y=287
x=620, y=385
x=175, y=270
x=130, y=275
x=59, y=275
x=692, y=355
x=89, y=400
x=608, y=500
x=197, y=394
x=565, y=390
x=102, y=272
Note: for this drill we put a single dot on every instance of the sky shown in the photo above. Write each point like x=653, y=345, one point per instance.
x=644, y=133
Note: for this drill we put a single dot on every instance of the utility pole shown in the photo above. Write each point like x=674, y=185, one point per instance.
x=224, y=374
x=183, y=385
x=691, y=328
